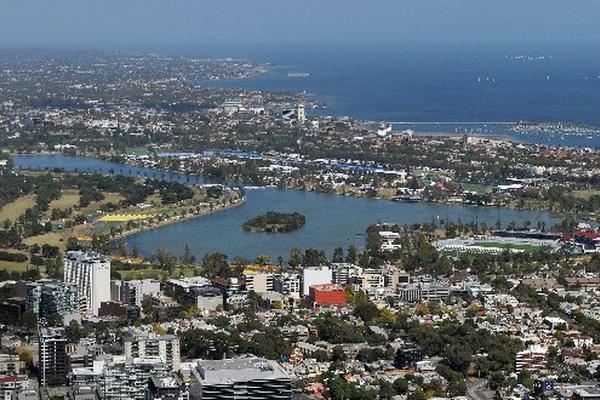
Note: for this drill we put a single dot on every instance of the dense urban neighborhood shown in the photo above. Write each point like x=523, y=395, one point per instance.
x=441, y=309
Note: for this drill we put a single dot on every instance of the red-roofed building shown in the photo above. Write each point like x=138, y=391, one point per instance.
x=589, y=240
x=328, y=294
x=12, y=385
x=590, y=235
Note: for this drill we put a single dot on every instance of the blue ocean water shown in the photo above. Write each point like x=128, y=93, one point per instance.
x=433, y=82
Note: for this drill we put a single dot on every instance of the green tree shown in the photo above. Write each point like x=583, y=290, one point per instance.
x=314, y=257
x=73, y=332
x=401, y=385
x=365, y=309
x=417, y=395
x=386, y=390
x=73, y=244
x=338, y=255
x=338, y=354
x=187, y=258
x=122, y=249
x=458, y=357
x=164, y=259
x=135, y=252
x=29, y=320
x=296, y=259
x=147, y=305
x=215, y=265
x=352, y=254
x=525, y=379
x=263, y=259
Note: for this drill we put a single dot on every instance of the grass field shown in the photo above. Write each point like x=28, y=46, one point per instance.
x=138, y=151
x=478, y=188
x=53, y=239
x=14, y=210
x=57, y=238
x=13, y=266
x=100, y=228
x=128, y=275
x=153, y=273
x=70, y=198
x=108, y=198
x=585, y=194
x=524, y=247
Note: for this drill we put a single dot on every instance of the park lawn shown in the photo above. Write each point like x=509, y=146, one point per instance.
x=478, y=188
x=95, y=206
x=185, y=271
x=128, y=275
x=52, y=239
x=138, y=151
x=526, y=247
x=585, y=194
x=14, y=210
x=69, y=198
x=154, y=199
x=100, y=228
x=159, y=274
x=13, y=266
x=58, y=238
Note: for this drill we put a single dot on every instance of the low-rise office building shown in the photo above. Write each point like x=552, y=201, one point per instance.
x=239, y=379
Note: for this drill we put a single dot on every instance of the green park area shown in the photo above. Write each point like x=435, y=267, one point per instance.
x=509, y=246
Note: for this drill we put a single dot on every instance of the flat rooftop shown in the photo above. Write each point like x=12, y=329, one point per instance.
x=590, y=391
x=228, y=371
x=328, y=287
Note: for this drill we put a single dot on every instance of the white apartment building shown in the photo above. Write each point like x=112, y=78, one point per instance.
x=134, y=291
x=165, y=347
x=371, y=279
x=288, y=284
x=91, y=273
x=315, y=276
x=423, y=291
x=534, y=359
x=259, y=282
x=343, y=273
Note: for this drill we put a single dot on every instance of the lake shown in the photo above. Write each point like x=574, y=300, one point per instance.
x=331, y=220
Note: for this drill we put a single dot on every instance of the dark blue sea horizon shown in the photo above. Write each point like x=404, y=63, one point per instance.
x=434, y=83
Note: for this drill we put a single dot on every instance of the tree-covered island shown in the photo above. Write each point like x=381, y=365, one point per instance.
x=275, y=222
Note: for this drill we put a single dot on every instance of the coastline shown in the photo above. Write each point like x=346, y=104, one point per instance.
x=174, y=220
x=107, y=158
x=218, y=235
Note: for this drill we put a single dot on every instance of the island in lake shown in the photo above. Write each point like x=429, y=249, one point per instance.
x=275, y=222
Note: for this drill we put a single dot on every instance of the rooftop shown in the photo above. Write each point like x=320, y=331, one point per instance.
x=238, y=370
x=196, y=281
x=328, y=287
x=589, y=391
x=86, y=257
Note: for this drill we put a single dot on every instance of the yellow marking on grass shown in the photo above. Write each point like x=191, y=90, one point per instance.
x=124, y=217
